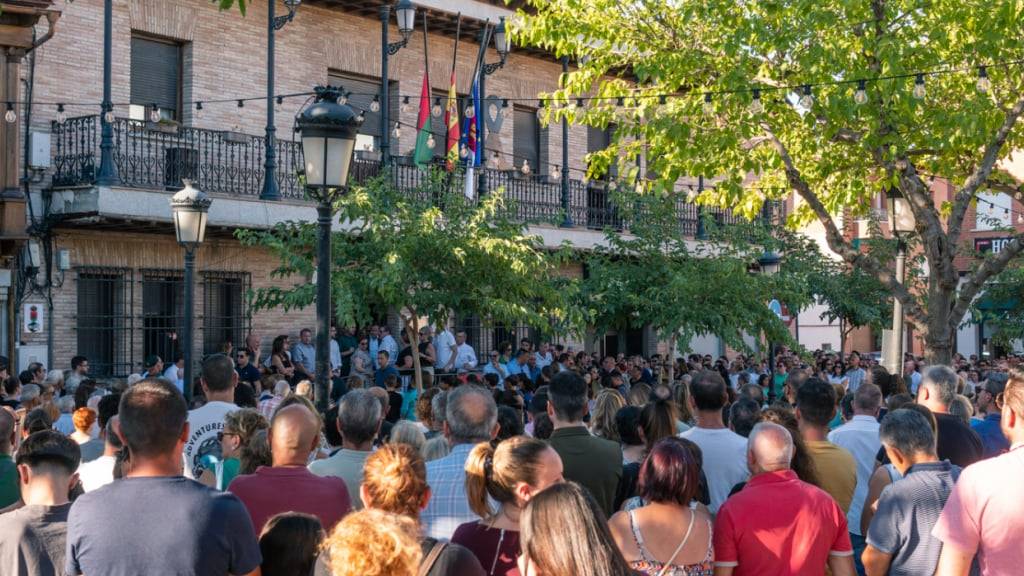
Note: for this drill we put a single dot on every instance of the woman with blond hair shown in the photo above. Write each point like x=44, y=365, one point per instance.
x=509, y=475
x=395, y=480
x=239, y=428
x=602, y=421
x=373, y=543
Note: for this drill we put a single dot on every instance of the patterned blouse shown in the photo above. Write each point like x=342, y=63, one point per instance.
x=648, y=566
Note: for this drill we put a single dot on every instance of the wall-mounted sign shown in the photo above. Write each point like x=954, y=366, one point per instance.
x=33, y=318
x=993, y=245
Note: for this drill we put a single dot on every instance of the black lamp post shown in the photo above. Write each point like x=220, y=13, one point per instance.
x=406, y=13
x=189, y=206
x=566, y=217
x=769, y=264
x=503, y=47
x=274, y=23
x=328, y=130
x=901, y=223
x=107, y=175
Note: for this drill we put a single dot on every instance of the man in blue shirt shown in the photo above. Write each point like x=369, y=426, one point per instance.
x=518, y=364
x=992, y=440
x=304, y=355
x=384, y=359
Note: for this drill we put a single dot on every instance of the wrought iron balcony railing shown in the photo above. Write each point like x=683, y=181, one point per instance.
x=158, y=156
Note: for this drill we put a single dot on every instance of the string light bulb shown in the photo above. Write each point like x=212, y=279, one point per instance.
x=375, y=104
x=919, y=90
x=463, y=151
x=806, y=99
x=620, y=101
x=556, y=173
x=397, y=132
x=241, y=103
x=540, y=110
x=506, y=110
x=470, y=112
x=61, y=116
x=405, y=105
x=10, y=116
x=496, y=159
x=199, y=106
x=709, y=107
x=526, y=167
x=154, y=113
x=280, y=103
x=108, y=116
x=431, y=143
x=861, y=95
x=756, y=106
x=362, y=116
x=344, y=98
x=984, y=84
x=436, y=110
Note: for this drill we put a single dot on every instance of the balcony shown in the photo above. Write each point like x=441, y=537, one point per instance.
x=157, y=157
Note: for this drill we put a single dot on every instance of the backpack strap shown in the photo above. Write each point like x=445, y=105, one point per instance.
x=430, y=559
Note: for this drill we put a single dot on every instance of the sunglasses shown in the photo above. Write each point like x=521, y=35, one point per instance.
x=221, y=435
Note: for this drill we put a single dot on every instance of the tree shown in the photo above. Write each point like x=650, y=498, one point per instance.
x=854, y=298
x=683, y=288
x=1002, y=308
x=813, y=137
x=424, y=252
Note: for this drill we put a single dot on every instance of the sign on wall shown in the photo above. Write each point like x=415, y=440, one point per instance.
x=33, y=318
x=993, y=245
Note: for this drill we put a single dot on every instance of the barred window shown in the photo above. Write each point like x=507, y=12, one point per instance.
x=226, y=316
x=104, y=320
x=163, y=309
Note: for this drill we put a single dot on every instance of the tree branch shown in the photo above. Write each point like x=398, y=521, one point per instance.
x=835, y=238
x=981, y=174
x=989, y=268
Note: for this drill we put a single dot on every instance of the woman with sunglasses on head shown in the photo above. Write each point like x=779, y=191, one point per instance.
x=239, y=427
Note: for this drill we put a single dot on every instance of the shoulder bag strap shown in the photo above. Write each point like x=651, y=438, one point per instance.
x=431, y=558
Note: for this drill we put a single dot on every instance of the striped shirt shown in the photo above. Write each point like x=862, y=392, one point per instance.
x=907, y=511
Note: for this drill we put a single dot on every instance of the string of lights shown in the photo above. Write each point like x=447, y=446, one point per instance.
x=804, y=91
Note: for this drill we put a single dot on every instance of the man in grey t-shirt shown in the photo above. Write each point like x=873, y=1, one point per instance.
x=155, y=521
x=899, y=539
x=32, y=538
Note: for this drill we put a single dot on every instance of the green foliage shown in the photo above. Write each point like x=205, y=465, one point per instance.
x=836, y=154
x=654, y=275
x=229, y=4
x=428, y=252
x=1002, y=308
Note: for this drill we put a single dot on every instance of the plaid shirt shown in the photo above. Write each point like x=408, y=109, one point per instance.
x=448, y=507
x=267, y=407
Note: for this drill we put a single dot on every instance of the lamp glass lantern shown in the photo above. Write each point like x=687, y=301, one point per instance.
x=901, y=217
x=190, y=207
x=770, y=262
x=405, y=11
x=501, y=41
x=329, y=131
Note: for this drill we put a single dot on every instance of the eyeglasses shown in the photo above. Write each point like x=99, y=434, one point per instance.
x=221, y=435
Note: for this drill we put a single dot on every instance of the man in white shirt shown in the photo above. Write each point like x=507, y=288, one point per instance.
x=860, y=437
x=544, y=356
x=465, y=356
x=335, y=353
x=100, y=472
x=725, y=452
x=175, y=372
x=202, y=449
x=447, y=351
x=388, y=343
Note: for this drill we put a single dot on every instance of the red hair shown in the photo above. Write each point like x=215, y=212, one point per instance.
x=670, y=473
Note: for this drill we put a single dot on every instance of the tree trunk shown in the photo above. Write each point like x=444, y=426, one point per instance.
x=842, y=339
x=672, y=359
x=412, y=329
x=938, y=334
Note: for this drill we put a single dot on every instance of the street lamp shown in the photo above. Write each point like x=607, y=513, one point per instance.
x=107, y=174
x=189, y=206
x=769, y=264
x=503, y=46
x=328, y=131
x=274, y=23
x=405, y=12
x=901, y=224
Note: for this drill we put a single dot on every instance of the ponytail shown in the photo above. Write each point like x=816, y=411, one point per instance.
x=479, y=469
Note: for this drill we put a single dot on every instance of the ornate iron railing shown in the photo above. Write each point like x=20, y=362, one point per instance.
x=159, y=156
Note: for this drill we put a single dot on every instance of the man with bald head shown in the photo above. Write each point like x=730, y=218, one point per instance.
x=9, y=491
x=287, y=485
x=779, y=524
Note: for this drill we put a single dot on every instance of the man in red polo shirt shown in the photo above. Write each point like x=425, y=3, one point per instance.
x=778, y=524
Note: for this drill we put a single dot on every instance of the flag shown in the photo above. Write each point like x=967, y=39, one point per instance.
x=423, y=154
x=451, y=122
x=474, y=155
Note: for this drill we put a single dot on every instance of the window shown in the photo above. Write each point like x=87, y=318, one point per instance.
x=598, y=140
x=104, y=322
x=163, y=307
x=155, y=78
x=225, y=310
x=526, y=138
x=362, y=93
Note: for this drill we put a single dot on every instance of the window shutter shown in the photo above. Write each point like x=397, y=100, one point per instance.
x=155, y=66
x=526, y=138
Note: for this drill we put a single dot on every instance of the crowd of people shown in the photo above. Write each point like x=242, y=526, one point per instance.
x=537, y=461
